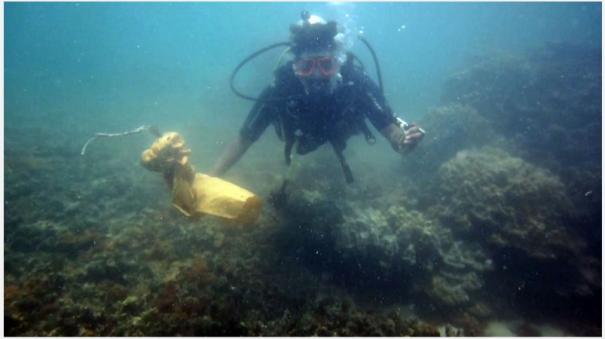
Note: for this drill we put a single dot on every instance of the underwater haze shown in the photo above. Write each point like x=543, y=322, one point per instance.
x=491, y=226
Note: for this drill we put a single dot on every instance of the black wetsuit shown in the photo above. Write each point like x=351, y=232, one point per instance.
x=310, y=121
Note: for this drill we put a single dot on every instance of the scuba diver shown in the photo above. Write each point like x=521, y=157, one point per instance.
x=321, y=96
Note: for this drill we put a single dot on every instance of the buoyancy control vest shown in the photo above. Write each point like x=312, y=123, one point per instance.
x=307, y=122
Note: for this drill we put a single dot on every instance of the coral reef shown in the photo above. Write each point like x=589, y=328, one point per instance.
x=529, y=194
x=548, y=102
x=501, y=199
x=543, y=106
x=384, y=250
x=519, y=214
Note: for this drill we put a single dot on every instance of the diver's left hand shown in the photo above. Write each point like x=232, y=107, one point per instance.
x=410, y=137
x=413, y=135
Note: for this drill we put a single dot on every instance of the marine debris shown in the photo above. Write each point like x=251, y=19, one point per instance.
x=152, y=130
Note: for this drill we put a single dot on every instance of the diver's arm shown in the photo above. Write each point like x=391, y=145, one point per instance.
x=259, y=117
x=231, y=155
x=381, y=116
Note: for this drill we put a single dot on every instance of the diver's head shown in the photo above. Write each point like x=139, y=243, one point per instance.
x=318, y=51
x=318, y=71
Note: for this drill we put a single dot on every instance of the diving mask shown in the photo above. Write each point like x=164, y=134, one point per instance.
x=326, y=66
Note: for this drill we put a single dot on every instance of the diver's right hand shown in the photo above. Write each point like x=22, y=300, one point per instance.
x=166, y=152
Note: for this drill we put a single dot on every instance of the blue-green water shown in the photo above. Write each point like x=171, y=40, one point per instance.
x=520, y=72
x=108, y=62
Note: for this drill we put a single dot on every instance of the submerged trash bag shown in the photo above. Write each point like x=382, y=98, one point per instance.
x=215, y=196
x=198, y=194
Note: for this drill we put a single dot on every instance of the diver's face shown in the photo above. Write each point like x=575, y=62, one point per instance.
x=317, y=71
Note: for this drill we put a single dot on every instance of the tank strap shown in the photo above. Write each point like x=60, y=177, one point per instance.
x=343, y=162
x=370, y=139
x=288, y=150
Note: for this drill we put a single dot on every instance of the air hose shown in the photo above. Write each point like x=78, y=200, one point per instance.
x=245, y=61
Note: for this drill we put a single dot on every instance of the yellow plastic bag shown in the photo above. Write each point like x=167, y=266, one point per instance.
x=211, y=195
x=198, y=194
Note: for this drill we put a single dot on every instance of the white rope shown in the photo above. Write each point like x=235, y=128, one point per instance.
x=111, y=135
